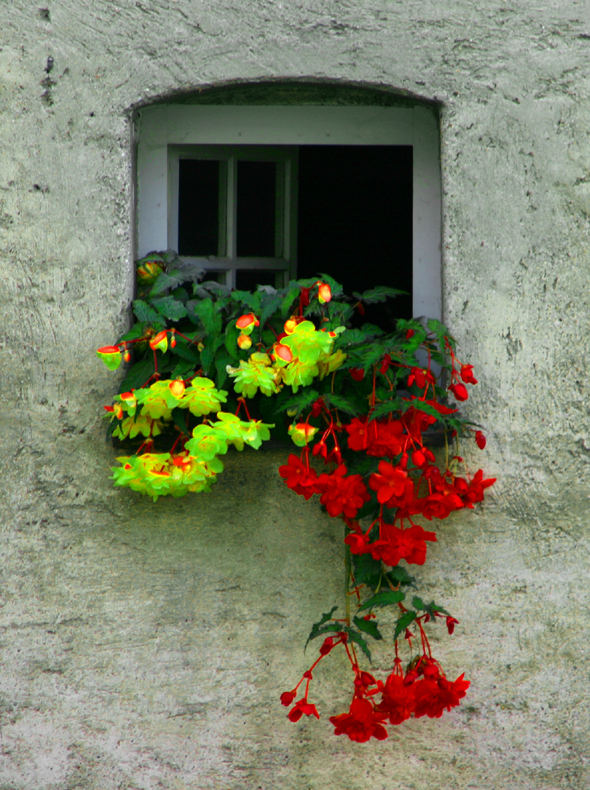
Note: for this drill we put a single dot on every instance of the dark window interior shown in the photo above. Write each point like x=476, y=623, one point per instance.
x=256, y=215
x=198, y=207
x=355, y=217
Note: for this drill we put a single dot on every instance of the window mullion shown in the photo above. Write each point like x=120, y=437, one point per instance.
x=231, y=208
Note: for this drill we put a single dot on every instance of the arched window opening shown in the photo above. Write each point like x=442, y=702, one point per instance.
x=263, y=183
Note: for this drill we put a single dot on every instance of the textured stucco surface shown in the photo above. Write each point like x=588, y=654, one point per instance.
x=144, y=646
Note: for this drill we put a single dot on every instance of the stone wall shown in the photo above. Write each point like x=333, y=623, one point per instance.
x=145, y=646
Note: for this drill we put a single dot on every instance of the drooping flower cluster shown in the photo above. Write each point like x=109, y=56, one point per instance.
x=364, y=406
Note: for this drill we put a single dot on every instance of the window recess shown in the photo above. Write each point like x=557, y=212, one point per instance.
x=232, y=186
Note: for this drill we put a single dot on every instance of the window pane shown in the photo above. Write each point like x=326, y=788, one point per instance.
x=355, y=218
x=248, y=279
x=256, y=209
x=198, y=207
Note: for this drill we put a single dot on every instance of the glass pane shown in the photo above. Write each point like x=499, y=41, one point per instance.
x=355, y=220
x=248, y=279
x=256, y=209
x=198, y=207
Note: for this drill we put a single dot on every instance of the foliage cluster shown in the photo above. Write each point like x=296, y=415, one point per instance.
x=362, y=402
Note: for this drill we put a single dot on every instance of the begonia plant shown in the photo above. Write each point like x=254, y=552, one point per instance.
x=364, y=406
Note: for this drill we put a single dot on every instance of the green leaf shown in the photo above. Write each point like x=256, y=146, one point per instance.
x=146, y=314
x=368, y=626
x=207, y=313
x=134, y=333
x=379, y=294
x=165, y=282
x=292, y=294
x=300, y=402
x=270, y=305
x=385, y=598
x=137, y=375
x=403, y=622
x=366, y=570
x=418, y=603
x=180, y=420
x=355, y=637
x=399, y=575
x=248, y=300
x=316, y=626
x=385, y=408
x=432, y=607
x=170, y=308
x=209, y=352
x=338, y=402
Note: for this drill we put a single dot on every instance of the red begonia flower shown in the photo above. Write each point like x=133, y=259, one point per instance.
x=361, y=723
x=459, y=390
x=467, y=374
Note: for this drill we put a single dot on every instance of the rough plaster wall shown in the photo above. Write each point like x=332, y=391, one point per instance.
x=144, y=646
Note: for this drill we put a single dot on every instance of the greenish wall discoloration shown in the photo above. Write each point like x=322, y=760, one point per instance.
x=146, y=645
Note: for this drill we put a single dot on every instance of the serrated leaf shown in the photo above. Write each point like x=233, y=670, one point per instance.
x=432, y=607
x=270, y=304
x=355, y=637
x=134, y=333
x=385, y=598
x=385, y=408
x=170, y=308
x=146, y=314
x=207, y=313
x=300, y=402
x=378, y=294
x=247, y=299
x=165, y=282
x=366, y=570
x=338, y=402
x=324, y=619
x=418, y=603
x=368, y=626
x=399, y=575
x=403, y=622
x=292, y=294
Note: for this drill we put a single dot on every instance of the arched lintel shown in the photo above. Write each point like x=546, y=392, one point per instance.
x=301, y=90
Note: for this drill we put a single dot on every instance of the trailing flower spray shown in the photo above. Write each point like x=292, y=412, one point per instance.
x=366, y=407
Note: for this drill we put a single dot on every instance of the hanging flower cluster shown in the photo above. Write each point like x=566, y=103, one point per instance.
x=365, y=407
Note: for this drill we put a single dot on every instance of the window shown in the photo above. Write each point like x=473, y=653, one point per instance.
x=260, y=194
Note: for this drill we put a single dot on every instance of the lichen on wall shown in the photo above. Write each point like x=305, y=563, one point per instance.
x=145, y=645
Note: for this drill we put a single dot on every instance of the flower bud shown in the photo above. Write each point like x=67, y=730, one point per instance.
x=302, y=433
x=324, y=292
x=480, y=440
x=244, y=342
x=177, y=388
x=159, y=342
x=110, y=355
x=459, y=391
x=246, y=323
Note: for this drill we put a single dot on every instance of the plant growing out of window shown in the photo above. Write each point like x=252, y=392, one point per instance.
x=211, y=369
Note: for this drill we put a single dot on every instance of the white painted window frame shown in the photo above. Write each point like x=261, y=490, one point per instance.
x=160, y=127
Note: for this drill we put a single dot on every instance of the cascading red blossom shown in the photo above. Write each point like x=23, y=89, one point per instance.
x=401, y=483
x=342, y=494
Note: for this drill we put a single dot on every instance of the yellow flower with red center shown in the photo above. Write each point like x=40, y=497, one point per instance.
x=110, y=355
x=159, y=342
x=244, y=342
x=246, y=323
x=324, y=292
x=302, y=433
